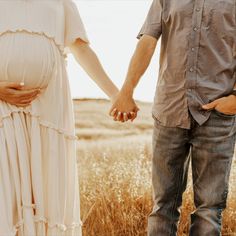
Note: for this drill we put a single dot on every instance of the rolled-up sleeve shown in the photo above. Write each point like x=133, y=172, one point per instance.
x=153, y=22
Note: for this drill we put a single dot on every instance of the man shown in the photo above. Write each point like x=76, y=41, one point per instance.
x=194, y=108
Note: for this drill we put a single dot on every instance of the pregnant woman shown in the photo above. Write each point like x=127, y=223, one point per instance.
x=38, y=175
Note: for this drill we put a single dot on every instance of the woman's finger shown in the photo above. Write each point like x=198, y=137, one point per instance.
x=29, y=100
x=21, y=86
x=23, y=105
x=23, y=100
x=115, y=118
x=129, y=116
x=24, y=94
x=114, y=112
x=19, y=104
x=119, y=116
x=28, y=91
x=14, y=85
x=125, y=116
x=134, y=116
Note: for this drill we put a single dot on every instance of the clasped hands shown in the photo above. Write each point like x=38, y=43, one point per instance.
x=124, y=108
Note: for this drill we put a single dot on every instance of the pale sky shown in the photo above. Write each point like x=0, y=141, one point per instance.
x=112, y=26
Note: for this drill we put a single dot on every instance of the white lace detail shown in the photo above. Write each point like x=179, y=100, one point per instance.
x=42, y=219
x=50, y=37
x=41, y=122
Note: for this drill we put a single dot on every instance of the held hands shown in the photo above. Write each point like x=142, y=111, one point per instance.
x=226, y=105
x=124, y=108
x=17, y=94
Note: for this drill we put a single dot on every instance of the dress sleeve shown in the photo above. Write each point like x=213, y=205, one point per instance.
x=74, y=27
x=153, y=22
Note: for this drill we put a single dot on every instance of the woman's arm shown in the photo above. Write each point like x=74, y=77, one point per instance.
x=89, y=61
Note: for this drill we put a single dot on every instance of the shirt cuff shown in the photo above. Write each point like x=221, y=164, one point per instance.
x=151, y=30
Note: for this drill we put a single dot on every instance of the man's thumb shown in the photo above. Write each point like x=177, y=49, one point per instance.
x=209, y=106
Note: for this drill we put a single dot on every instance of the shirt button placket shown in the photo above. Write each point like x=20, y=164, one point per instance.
x=191, y=69
x=194, y=44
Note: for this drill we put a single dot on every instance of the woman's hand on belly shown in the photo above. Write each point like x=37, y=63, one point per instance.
x=17, y=94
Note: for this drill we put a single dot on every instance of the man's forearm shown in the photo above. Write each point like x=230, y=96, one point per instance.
x=139, y=63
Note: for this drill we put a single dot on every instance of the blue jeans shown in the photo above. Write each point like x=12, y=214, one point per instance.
x=210, y=148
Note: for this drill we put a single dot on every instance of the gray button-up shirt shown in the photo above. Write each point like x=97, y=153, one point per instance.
x=198, y=56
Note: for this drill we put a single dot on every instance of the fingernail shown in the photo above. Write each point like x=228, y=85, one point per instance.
x=22, y=84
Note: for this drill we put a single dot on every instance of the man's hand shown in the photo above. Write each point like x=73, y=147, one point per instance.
x=124, y=108
x=226, y=105
x=17, y=94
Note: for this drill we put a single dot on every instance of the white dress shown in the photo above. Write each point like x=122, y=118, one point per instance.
x=39, y=193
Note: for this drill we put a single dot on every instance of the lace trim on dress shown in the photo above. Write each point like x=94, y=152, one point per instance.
x=41, y=122
x=42, y=219
x=50, y=37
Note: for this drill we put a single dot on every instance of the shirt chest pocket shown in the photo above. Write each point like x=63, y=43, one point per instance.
x=219, y=14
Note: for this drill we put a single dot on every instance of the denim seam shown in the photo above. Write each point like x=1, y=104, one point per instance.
x=175, y=201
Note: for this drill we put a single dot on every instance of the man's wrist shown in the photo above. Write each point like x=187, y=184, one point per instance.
x=128, y=90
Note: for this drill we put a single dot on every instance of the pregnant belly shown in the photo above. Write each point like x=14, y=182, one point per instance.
x=27, y=58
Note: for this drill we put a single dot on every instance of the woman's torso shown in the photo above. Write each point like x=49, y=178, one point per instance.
x=26, y=57
x=28, y=32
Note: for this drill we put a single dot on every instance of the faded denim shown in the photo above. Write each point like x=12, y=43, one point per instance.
x=210, y=148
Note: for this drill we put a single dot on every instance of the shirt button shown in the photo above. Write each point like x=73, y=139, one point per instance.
x=191, y=69
x=198, y=9
x=193, y=49
x=195, y=28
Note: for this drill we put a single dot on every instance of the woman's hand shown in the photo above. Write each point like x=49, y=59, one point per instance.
x=17, y=94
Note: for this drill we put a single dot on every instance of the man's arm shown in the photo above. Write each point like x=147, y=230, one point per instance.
x=140, y=61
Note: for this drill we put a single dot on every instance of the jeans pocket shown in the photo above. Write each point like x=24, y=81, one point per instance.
x=221, y=114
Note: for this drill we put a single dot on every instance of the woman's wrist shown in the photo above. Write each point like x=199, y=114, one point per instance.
x=114, y=96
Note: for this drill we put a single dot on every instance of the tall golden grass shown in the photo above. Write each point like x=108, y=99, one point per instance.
x=115, y=175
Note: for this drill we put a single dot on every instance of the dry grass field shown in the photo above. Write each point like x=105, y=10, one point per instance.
x=115, y=174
